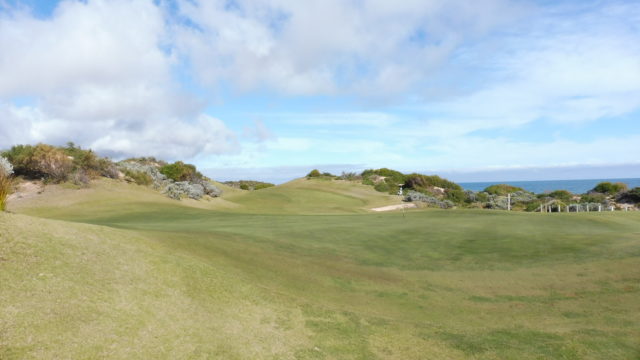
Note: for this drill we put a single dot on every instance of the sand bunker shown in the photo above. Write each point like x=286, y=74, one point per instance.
x=395, y=207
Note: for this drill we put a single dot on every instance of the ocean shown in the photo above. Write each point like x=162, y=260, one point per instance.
x=574, y=186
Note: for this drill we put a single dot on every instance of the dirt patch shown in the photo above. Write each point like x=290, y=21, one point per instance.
x=27, y=190
x=395, y=207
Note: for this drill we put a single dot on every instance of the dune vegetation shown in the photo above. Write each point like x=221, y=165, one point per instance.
x=304, y=271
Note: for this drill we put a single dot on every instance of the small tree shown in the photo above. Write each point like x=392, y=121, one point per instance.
x=314, y=173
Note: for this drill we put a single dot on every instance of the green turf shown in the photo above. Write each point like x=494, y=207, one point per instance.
x=124, y=273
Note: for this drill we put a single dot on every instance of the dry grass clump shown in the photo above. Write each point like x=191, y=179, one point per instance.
x=6, y=169
x=5, y=190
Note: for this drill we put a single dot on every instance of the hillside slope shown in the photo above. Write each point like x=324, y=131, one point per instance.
x=127, y=273
x=84, y=291
x=107, y=196
x=313, y=196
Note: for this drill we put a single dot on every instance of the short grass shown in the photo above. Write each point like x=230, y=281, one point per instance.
x=124, y=273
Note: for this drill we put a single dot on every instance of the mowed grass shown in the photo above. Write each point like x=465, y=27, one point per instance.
x=131, y=275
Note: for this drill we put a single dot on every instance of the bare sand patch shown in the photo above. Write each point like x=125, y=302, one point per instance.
x=395, y=207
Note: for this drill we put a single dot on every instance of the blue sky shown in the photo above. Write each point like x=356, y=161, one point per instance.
x=268, y=90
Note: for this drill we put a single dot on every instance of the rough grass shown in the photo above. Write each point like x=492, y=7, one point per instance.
x=146, y=277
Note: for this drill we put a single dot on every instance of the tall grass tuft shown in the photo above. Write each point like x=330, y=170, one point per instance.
x=5, y=190
x=6, y=169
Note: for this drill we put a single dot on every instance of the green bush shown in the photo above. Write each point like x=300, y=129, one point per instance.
x=382, y=187
x=83, y=159
x=593, y=198
x=392, y=177
x=533, y=205
x=482, y=196
x=610, y=188
x=563, y=195
x=502, y=189
x=368, y=182
x=179, y=171
x=456, y=196
x=20, y=157
x=139, y=177
x=262, y=185
x=40, y=161
x=420, y=182
x=249, y=184
x=314, y=173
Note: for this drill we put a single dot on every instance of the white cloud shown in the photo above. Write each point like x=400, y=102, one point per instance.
x=477, y=153
x=333, y=119
x=329, y=46
x=94, y=43
x=101, y=76
x=565, y=70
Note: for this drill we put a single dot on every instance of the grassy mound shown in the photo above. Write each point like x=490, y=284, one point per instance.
x=313, y=196
x=301, y=271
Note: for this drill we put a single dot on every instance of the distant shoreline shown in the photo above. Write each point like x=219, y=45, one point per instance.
x=579, y=186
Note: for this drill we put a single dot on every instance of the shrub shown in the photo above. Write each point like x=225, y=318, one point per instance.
x=139, y=177
x=563, y=195
x=6, y=168
x=314, y=173
x=179, y=171
x=533, y=205
x=382, y=187
x=502, y=189
x=430, y=200
x=349, y=176
x=40, y=161
x=497, y=202
x=522, y=197
x=107, y=168
x=159, y=180
x=594, y=197
x=391, y=177
x=20, y=157
x=262, y=185
x=80, y=177
x=420, y=182
x=249, y=184
x=149, y=160
x=182, y=189
x=631, y=196
x=82, y=159
x=609, y=188
x=52, y=162
x=456, y=196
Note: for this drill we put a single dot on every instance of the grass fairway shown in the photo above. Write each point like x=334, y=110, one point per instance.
x=301, y=271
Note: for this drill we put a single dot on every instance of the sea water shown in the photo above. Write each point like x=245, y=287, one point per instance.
x=575, y=186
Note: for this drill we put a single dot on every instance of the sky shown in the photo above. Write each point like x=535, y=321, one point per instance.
x=270, y=89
